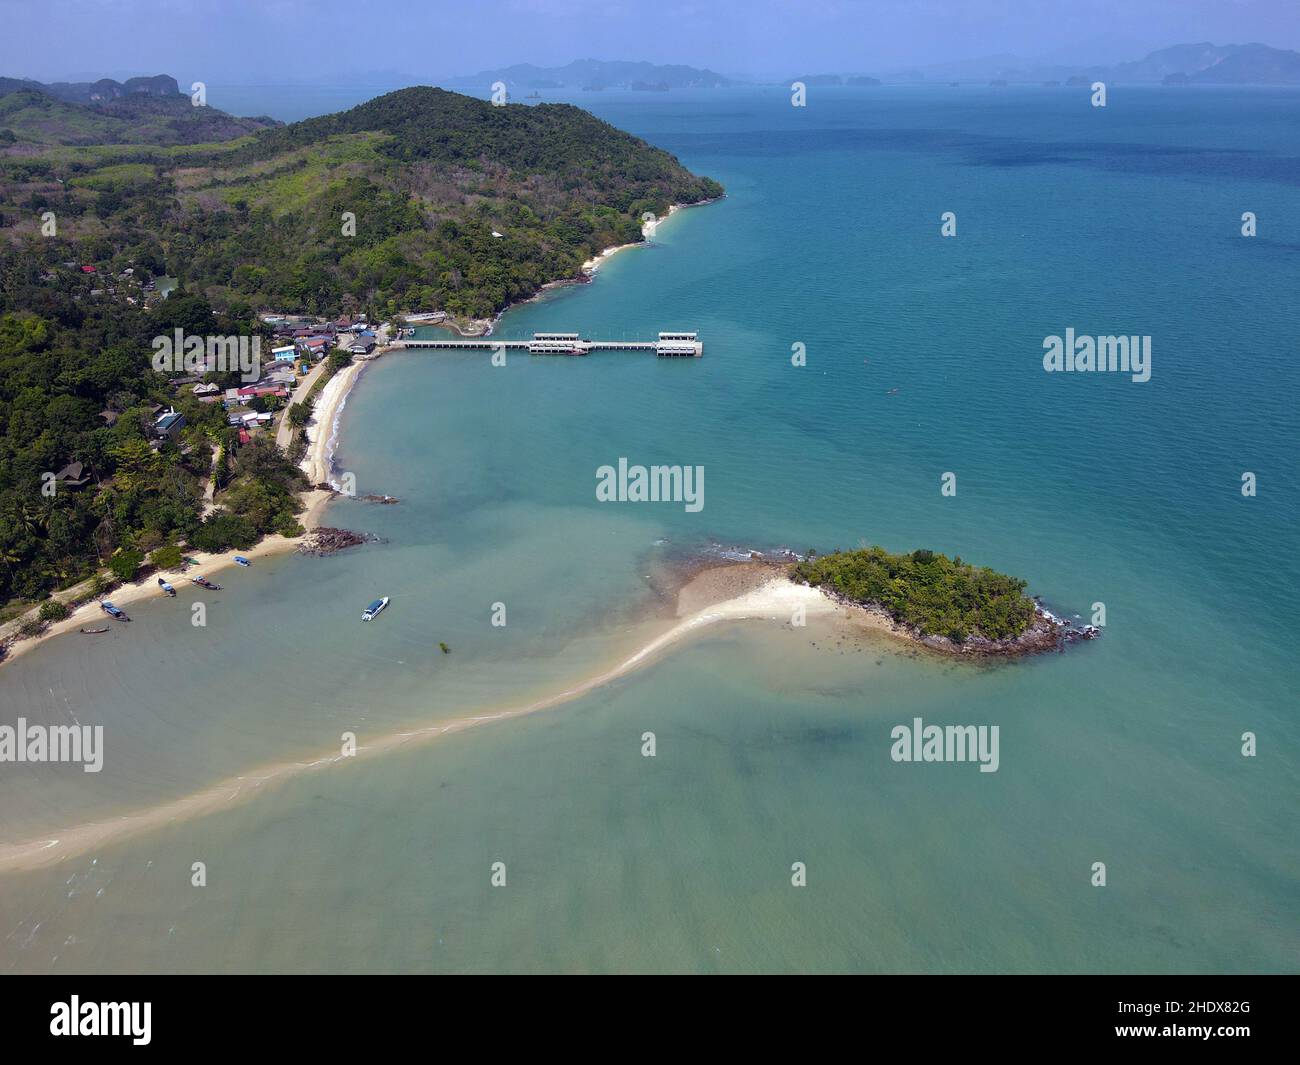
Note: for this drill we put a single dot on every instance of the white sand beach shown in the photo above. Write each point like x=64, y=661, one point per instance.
x=322, y=430
x=90, y=614
x=647, y=231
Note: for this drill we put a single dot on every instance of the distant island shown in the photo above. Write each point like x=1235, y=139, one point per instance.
x=593, y=75
x=1180, y=64
x=944, y=603
x=1229, y=64
x=836, y=79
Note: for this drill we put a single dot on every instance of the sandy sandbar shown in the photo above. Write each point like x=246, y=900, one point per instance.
x=761, y=593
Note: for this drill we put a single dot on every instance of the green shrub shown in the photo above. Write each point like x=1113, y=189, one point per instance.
x=126, y=563
x=223, y=531
x=54, y=610
x=168, y=557
x=288, y=525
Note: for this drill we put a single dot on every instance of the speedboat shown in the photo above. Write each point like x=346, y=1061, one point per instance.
x=372, y=611
x=242, y=561
x=112, y=611
x=166, y=587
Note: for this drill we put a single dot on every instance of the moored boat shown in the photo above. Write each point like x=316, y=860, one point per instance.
x=203, y=582
x=112, y=611
x=166, y=587
x=242, y=561
x=372, y=611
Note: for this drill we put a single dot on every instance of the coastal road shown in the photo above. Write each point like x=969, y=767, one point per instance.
x=283, y=433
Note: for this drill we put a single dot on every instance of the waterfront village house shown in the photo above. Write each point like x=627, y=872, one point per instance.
x=249, y=391
x=284, y=376
x=284, y=354
x=169, y=425
x=70, y=476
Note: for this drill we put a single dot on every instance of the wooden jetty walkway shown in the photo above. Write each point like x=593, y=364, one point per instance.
x=669, y=345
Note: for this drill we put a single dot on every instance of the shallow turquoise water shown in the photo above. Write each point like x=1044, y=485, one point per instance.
x=773, y=743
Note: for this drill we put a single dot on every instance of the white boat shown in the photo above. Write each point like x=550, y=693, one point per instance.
x=372, y=611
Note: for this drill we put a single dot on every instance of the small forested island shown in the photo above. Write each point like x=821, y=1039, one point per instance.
x=942, y=602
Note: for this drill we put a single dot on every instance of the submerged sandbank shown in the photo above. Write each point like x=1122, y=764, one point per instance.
x=762, y=594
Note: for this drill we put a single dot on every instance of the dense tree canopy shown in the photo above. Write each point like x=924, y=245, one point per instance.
x=391, y=206
x=929, y=591
x=57, y=374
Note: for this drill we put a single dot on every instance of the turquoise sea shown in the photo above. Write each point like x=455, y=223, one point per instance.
x=924, y=357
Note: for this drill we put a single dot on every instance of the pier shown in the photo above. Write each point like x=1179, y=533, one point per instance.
x=669, y=345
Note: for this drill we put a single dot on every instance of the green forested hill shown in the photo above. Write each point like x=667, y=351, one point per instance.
x=33, y=119
x=429, y=176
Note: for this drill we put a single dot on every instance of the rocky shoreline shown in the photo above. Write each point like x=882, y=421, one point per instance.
x=1047, y=633
x=325, y=540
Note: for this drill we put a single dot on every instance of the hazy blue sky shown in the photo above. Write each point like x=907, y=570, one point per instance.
x=270, y=41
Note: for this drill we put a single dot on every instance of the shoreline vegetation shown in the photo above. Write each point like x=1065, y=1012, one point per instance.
x=478, y=328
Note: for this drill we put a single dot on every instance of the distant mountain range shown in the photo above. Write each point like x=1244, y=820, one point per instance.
x=149, y=110
x=593, y=75
x=93, y=92
x=1182, y=64
x=1209, y=64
